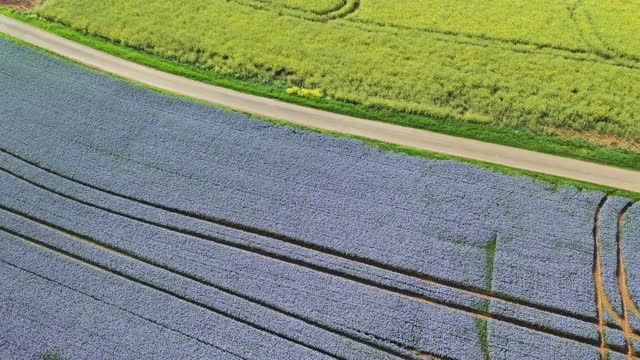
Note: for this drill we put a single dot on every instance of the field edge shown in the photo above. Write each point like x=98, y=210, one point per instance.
x=552, y=180
x=513, y=137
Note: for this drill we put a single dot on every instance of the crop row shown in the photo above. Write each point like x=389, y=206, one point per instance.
x=368, y=273
x=504, y=307
x=318, y=299
x=630, y=243
x=207, y=227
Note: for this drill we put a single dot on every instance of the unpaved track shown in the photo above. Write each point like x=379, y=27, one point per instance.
x=420, y=139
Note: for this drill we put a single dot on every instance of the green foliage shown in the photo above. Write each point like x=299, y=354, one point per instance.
x=482, y=324
x=52, y=356
x=295, y=90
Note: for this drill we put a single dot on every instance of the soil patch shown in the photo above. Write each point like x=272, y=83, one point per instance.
x=19, y=4
x=606, y=140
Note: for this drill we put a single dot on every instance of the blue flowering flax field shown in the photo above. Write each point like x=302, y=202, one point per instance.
x=136, y=225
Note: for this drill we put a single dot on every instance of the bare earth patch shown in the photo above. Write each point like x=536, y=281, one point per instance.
x=19, y=4
x=607, y=140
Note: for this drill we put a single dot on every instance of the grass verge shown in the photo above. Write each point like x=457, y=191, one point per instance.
x=52, y=356
x=552, y=180
x=521, y=138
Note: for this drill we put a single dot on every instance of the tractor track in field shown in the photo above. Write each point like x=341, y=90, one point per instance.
x=599, y=50
x=126, y=254
x=603, y=304
x=362, y=281
x=98, y=266
x=280, y=238
x=588, y=32
x=46, y=278
x=344, y=9
x=598, y=281
x=622, y=283
x=625, y=296
x=631, y=305
x=515, y=47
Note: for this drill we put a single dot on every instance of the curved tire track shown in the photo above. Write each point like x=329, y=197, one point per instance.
x=625, y=295
x=603, y=304
x=276, y=236
x=366, y=282
x=94, y=264
x=344, y=9
x=631, y=303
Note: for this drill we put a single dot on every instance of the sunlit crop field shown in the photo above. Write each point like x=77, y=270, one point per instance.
x=544, y=65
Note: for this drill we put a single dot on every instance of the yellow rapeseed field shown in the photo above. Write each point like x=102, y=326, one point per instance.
x=544, y=64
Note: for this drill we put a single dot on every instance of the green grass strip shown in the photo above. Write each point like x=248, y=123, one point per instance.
x=520, y=138
x=52, y=356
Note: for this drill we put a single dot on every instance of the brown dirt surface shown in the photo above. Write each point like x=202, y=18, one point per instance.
x=606, y=140
x=603, y=304
x=19, y=4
